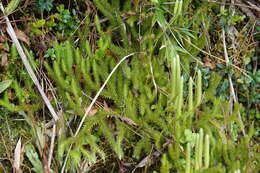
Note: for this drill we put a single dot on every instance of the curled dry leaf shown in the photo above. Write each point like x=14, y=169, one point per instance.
x=22, y=36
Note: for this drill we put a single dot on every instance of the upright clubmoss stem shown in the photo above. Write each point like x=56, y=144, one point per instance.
x=201, y=136
x=178, y=75
x=173, y=80
x=198, y=89
x=187, y=170
x=180, y=98
x=190, y=106
x=69, y=57
x=206, y=153
x=197, y=152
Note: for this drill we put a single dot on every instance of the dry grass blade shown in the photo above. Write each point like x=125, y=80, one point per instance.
x=17, y=157
x=52, y=145
x=27, y=65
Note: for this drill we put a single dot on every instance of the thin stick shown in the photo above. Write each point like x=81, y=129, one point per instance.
x=52, y=145
x=27, y=65
x=66, y=159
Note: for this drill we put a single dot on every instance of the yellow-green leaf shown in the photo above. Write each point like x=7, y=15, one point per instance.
x=4, y=85
x=12, y=6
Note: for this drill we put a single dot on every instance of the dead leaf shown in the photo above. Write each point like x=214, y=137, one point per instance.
x=17, y=157
x=22, y=36
x=92, y=111
x=2, y=39
x=4, y=60
x=208, y=63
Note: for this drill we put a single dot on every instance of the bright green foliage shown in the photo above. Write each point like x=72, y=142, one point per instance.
x=201, y=155
x=63, y=23
x=165, y=164
x=131, y=94
x=159, y=110
x=132, y=97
